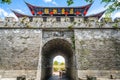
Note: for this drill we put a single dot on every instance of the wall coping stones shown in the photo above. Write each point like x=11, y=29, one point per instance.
x=65, y=22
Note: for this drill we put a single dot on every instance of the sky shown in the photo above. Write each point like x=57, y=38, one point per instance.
x=20, y=6
x=59, y=59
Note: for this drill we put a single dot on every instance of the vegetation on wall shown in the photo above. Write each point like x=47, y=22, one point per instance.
x=115, y=25
x=70, y=27
x=73, y=41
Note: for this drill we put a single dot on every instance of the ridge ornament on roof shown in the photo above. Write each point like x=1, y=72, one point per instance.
x=20, y=14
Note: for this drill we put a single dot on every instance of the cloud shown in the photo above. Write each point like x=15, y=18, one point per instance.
x=47, y=1
x=117, y=14
x=20, y=11
x=95, y=11
x=50, y=1
x=4, y=14
x=118, y=0
x=59, y=59
x=54, y=3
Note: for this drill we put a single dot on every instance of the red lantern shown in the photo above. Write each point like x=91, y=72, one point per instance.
x=39, y=12
x=66, y=13
x=77, y=13
x=51, y=13
x=85, y=12
x=33, y=13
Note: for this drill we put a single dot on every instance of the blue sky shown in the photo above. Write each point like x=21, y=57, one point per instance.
x=59, y=59
x=20, y=6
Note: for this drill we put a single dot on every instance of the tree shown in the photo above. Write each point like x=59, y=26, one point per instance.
x=115, y=5
x=62, y=63
x=5, y=1
x=55, y=63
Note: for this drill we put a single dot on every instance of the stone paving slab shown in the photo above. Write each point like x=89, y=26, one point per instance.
x=58, y=78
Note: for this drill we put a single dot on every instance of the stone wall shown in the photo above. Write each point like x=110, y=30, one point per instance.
x=19, y=50
x=97, y=45
x=98, y=49
x=29, y=74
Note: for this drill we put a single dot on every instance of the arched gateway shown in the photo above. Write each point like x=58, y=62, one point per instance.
x=53, y=48
x=90, y=48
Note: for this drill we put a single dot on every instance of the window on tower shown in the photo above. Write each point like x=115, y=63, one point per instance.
x=71, y=19
x=44, y=19
x=58, y=19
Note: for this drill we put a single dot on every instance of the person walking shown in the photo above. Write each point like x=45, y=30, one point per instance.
x=60, y=74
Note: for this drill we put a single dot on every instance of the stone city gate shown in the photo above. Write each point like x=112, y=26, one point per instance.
x=89, y=49
x=89, y=46
x=58, y=43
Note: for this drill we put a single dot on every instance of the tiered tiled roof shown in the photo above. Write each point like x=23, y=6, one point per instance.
x=58, y=11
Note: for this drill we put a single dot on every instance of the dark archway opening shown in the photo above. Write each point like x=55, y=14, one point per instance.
x=53, y=48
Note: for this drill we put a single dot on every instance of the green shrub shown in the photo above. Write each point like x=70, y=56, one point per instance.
x=55, y=69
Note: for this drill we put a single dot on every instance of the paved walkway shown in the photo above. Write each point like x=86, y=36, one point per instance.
x=56, y=77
